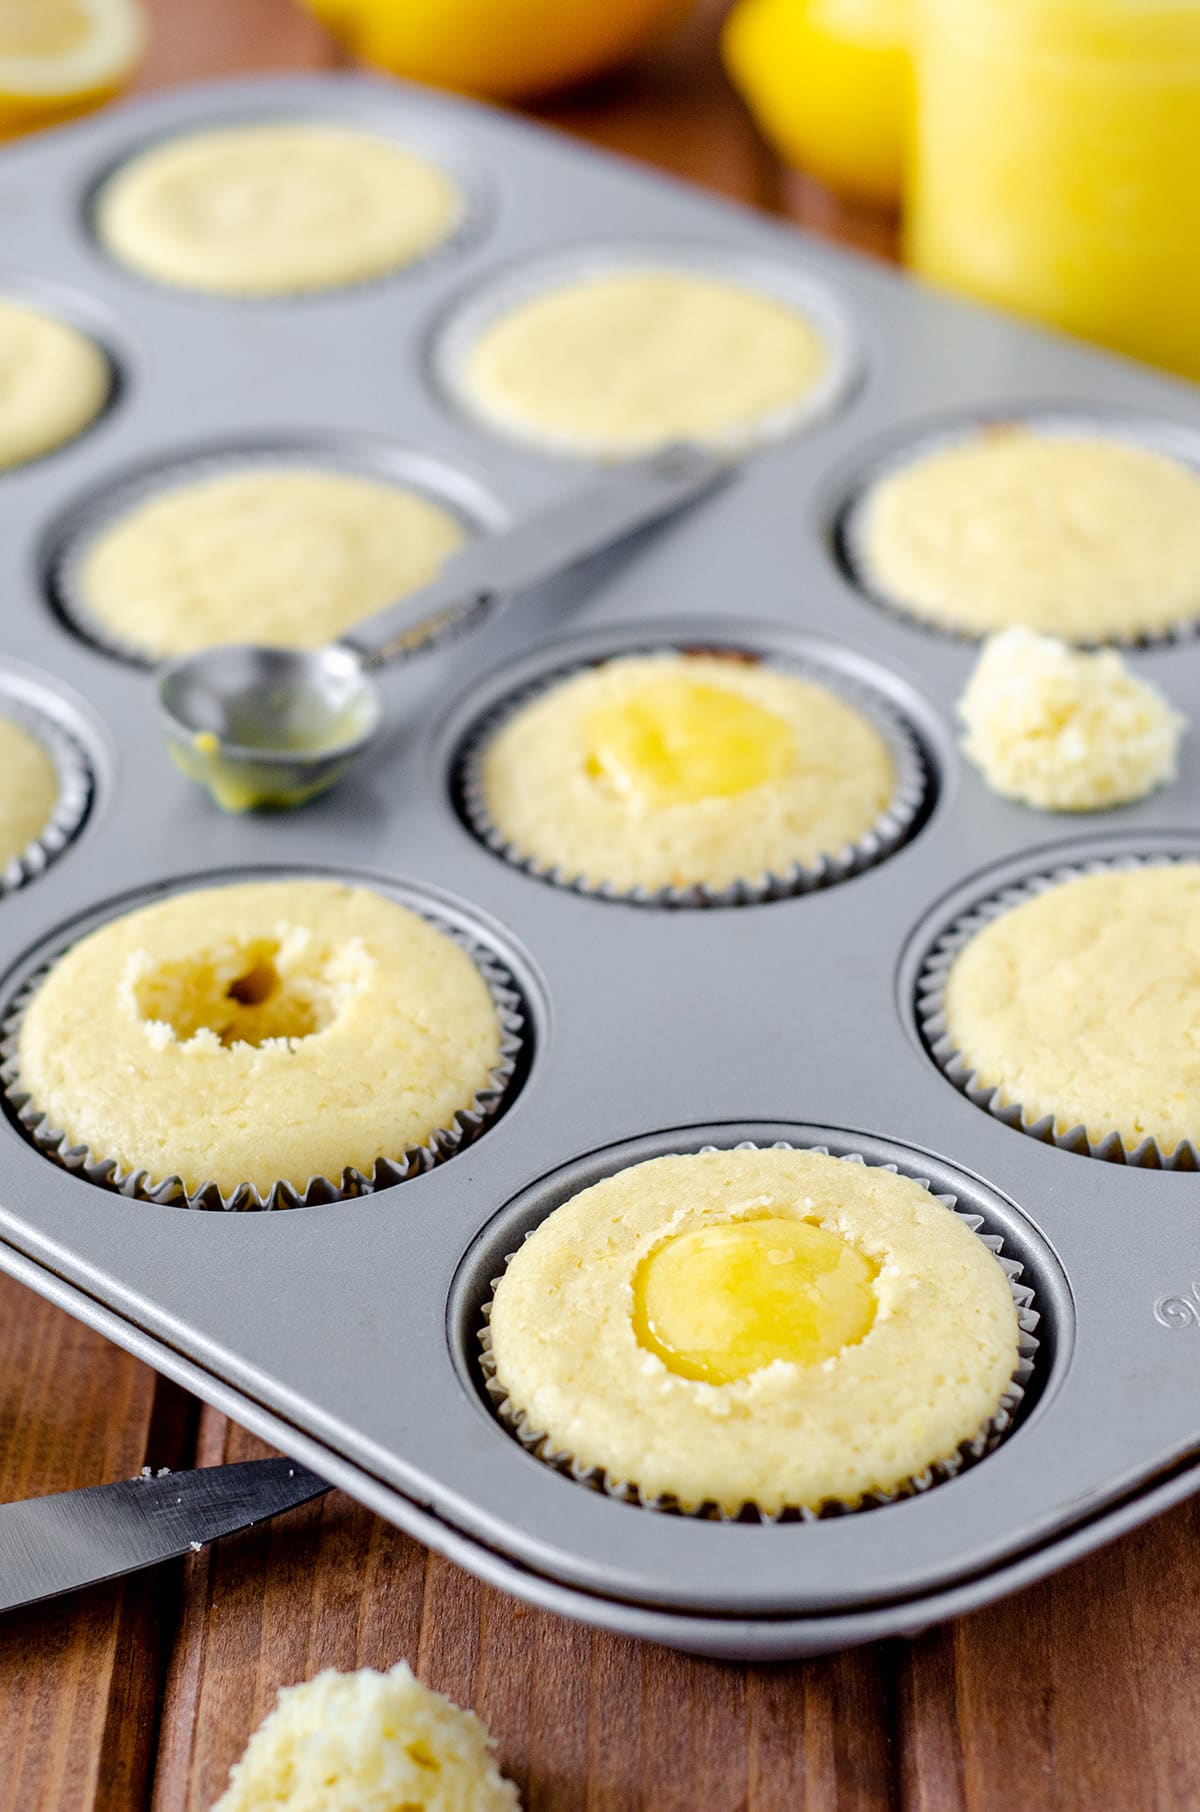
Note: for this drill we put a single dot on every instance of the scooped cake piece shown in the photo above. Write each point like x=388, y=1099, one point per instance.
x=368, y=1742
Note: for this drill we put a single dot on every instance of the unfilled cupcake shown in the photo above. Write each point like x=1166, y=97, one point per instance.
x=678, y=770
x=1087, y=537
x=262, y=1032
x=53, y=382
x=275, y=209
x=778, y=1328
x=281, y=556
x=622, y=361
x=1083, y=1003
x=28, y=789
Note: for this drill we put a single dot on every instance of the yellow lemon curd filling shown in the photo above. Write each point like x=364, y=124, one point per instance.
x=263, y=1032
x=676, y=741
x=777, y=1328
x=724, y=1301
x=677, y=770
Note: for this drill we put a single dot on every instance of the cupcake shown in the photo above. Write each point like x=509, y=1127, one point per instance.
x=620, y=361
x=265, y=1033
x=1075, y=534
x=275, y=209
x=29, y=790
x=680, y=771
x=278, y=555
x=772, y=1329
x=1081, y=1006
x=53, y=382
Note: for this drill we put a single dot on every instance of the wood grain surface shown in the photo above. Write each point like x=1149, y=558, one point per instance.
x=1082, y=1695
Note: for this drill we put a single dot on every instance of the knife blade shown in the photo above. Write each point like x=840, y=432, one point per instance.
x=55, y=1544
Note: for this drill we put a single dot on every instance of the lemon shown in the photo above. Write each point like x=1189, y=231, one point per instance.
x=508, y=49
x=63, y=57
x=828, y=82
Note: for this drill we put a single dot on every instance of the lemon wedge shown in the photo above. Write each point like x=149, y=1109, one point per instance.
x=63, y=57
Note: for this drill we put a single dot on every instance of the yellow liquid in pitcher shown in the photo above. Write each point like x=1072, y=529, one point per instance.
x=1055, y=164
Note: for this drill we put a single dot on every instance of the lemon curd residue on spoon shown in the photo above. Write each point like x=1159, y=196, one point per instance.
x=725, y=1300
x=676, y=741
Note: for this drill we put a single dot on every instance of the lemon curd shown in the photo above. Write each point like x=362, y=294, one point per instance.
x=723, y=1301
x=1055, y=166
x=676, y=741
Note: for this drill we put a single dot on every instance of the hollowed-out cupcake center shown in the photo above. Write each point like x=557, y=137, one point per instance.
x=255, y=992
x=724, y=1301
x=675, y=741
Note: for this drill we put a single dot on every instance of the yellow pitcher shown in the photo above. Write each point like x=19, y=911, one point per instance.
x=1055, y=164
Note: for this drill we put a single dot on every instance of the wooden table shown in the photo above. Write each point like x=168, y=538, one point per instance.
x=1082, y=1693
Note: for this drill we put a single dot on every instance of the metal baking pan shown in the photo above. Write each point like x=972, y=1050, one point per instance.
x=347, y=1332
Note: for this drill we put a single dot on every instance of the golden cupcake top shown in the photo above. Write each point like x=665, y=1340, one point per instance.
x=54, y=380
x=1090, y=538
x=675, y=770
x=1064, y=729
x=262, y=1032
x=282, y=556
x=28, y=789
x=275, y=209
x=1083, y=1003
x=775, y=1328
x=623, y=361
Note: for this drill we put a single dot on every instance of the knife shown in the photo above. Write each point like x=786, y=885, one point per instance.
x=55, y=1544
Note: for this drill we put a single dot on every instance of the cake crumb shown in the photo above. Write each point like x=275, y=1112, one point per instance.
x=368, y=1742
x=1063, y=729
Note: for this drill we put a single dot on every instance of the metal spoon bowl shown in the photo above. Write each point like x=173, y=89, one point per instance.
x=275, y=726
x=267, y=727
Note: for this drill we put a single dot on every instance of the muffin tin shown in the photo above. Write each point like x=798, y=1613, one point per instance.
x=347, y=1331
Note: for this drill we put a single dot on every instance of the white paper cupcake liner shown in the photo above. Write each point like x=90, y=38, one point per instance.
x=403, y=467
x=474, y=195
x=892, y=829
x=994, y=1430
x=931, y=1016
x=1174, y=440
x=773, y=277
x=442, y=1143
x=74, y=790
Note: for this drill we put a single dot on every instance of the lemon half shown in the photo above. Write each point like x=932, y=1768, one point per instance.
x=62, y=57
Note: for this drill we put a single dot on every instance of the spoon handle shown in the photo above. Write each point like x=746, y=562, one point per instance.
x=629, y=497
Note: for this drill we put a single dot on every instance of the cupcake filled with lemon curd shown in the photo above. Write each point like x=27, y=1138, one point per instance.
x=262, y=1043
x=770, y=1331
x=690, y=778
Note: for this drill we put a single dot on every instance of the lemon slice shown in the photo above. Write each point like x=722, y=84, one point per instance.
x=60, y=57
